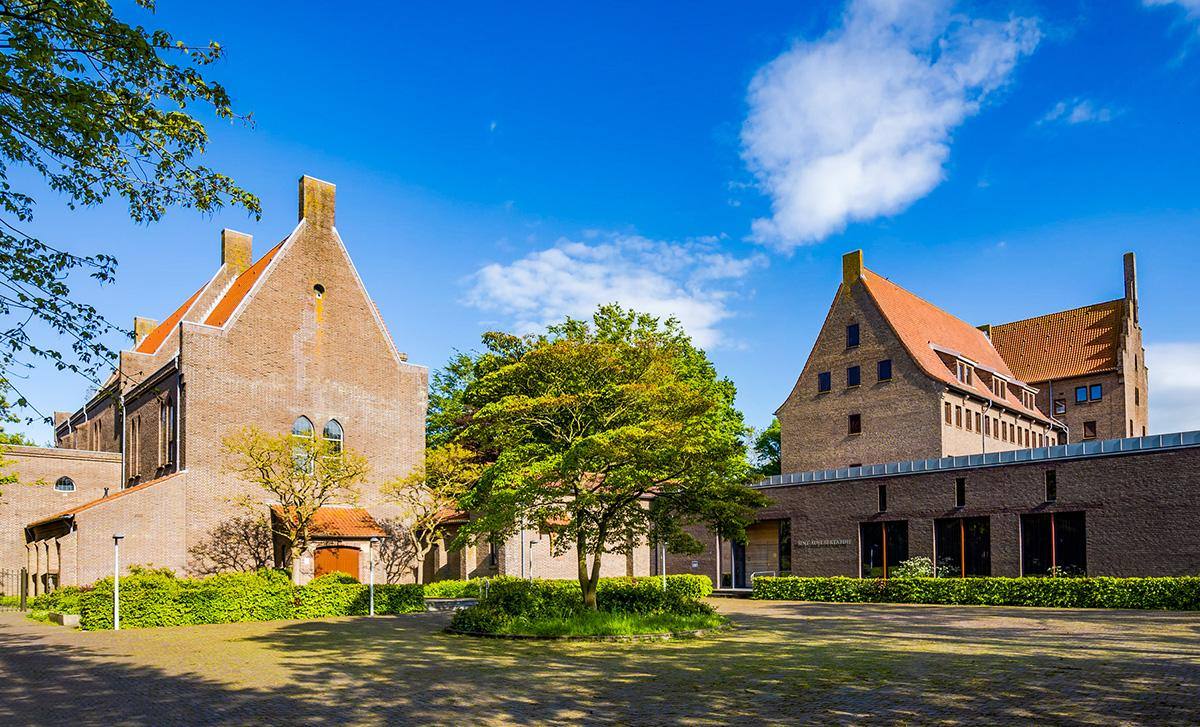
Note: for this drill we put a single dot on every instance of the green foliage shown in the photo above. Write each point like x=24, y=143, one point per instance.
x=152, y=598
x=1175, y=594
x=587, y=623
x=689, y=586
x=454, y=588
x=918, y=567
x=767, y=448
x=481, y=619
x=68, y=599
x=95, y=107
x=585, y=424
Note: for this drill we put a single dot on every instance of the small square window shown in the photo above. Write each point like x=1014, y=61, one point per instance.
x=1080, y=394
x=854, y=424
x=1060, y=406
x=853, y=376
x=1051, y=485
x=1096, y=392
x=885, y=370
x=883, y=498
x=1089, y=430
x=852, y=335
x=960, y=492
x=824, y=382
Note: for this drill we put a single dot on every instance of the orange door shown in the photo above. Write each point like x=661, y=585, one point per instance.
x=335, y=559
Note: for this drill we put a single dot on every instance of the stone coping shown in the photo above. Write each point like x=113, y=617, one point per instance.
x=667, y=636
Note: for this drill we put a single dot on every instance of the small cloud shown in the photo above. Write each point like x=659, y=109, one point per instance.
x=693, y=281
x=1078, y=111
x=492, y=127
x=1174, y=396
x=1191, y=8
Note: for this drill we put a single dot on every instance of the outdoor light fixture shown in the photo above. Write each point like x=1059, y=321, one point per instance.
x=531, y=544
x=371, y=565
x=117, y=538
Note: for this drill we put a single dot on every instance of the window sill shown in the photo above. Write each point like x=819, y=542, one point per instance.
x=853, y=386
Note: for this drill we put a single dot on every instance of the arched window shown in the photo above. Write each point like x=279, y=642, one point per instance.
x=302, y=427
x=333, y=434
x=65, y=484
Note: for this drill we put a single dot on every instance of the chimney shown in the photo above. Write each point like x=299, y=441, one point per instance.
x=1132, y=282
x=852, y=267
x=987, y=330
x=142, y=328
x=316, y=202
x=236, y=249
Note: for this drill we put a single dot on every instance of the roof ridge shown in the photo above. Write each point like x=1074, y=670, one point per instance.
x=1058, y=312
x=106, y=498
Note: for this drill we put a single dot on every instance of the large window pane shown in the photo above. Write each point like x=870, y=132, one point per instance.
x=1054, y=544
x=882, y=542
x=963, y=546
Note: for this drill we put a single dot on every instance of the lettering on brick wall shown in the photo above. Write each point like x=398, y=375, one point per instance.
x=822, y=543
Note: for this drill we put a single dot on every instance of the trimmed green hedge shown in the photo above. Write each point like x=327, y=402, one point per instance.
x=68, y=599
x=155, y=598
x=1175, y=594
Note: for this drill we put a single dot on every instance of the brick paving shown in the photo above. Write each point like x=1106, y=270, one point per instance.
x=786, y=663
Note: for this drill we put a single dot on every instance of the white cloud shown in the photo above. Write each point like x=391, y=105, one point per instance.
x=692, y=281
x=1078, y=111
x=1174, y=386
x=1191, y=8
x=857, y=124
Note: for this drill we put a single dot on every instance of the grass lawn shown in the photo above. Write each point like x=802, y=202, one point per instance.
x=613, y=624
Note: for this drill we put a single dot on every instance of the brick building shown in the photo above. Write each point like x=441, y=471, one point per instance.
x=1088, y=364
x=288, y=342
x=1119, y=507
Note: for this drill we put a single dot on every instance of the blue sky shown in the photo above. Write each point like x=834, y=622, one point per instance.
x=503, y=166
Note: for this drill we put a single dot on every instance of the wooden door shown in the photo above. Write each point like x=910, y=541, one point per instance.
x=335, y=559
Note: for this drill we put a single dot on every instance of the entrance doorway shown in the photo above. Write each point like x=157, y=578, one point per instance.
x=739, y=566
x=336, y=559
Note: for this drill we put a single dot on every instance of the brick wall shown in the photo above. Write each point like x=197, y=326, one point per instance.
x=1140, y=512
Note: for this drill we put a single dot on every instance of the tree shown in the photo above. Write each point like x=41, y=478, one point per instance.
x=96, y=108
x=767, y=450
x=300, y=474
x=431, y=494
x=604, y=433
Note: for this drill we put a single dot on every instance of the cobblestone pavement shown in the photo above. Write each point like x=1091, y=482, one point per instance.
x=786, y=663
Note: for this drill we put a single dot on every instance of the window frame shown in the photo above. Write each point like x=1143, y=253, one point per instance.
x=824, y=382
x=856, y=370
x=879, y=367
x=1096, y=392
x=853, y=424
x=853, y=335
x=65, y=480
x=1081, y=394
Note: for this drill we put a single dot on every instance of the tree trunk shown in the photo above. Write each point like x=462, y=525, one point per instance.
x=296, y=575
x=585, y=583
x=594, y=581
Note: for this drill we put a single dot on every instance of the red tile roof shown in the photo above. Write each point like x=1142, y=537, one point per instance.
x=151, y=342
x=241, y=286
x=101, y=500
x=920, y=325
x=1061, y=345
x=339, y=522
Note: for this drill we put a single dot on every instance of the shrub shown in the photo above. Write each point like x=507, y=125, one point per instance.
x=67, y=599
x=1180, y=593
x=454, y=589
x=690, y=586
x=481, y=619
x=919, y=567
x=159, y=599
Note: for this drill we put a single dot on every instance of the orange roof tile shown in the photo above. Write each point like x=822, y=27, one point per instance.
x=339, y=522
x=151, y=342
x=1061, y=345
x=241, y=286
x=919, y=323
x=101, y=500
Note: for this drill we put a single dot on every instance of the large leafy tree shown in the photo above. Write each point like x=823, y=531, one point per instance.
x=95, y=108
x=767, y=449
x=604, y=433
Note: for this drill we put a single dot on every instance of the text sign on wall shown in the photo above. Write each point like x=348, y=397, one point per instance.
x=823, y=543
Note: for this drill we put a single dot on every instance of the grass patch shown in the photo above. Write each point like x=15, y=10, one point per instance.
x=600, y=623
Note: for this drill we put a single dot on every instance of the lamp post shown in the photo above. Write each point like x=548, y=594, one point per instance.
x=662, y=562
x=531, y=544
x=117, y=538
x=371, y=564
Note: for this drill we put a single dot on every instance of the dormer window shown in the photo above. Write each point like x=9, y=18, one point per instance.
x=998, y=387
x=962, y=372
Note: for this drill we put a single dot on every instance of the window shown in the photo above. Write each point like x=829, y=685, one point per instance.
x=998, y=386
x=1054, y=544
x=1137, y=397
x=854, y=424
x=978, y=422
x=949, y=416
x=1060, y=406
x=302, y=428
x=852, y=335
x=885, y=370
x=785, y=546
x=1080, y=394
x=960, y=492
x=493, y=554
x=958, y=416
x=987, y=426
x=883, y=546
x=1089, y=430
x=1051, y=485
x=853, y=376
x=824, y=382
x=319, y=291
x=1131, y=427
x=1095, y=392
x=962, y=371
x=882, y=498
x=333, y=435
x=962, y=547
x=968, y=421
x=65, y=484
x=166, y=432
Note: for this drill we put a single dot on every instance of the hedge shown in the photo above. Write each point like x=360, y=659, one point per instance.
x=683, y=586
x=156, y=598
x=68, y=599
x=1175, y=594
